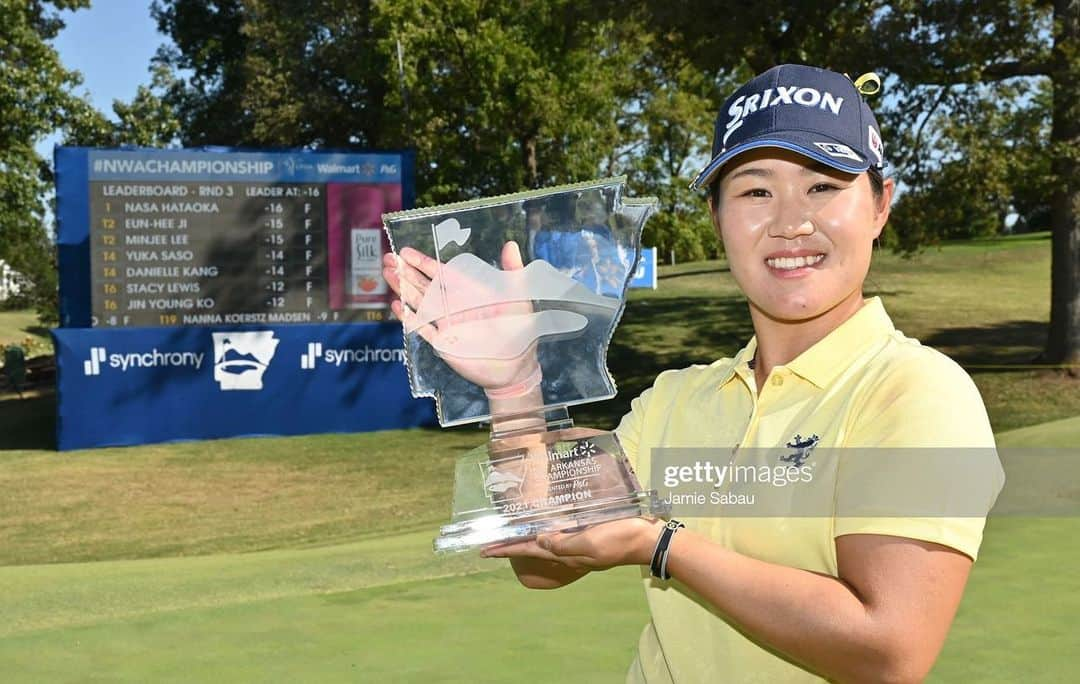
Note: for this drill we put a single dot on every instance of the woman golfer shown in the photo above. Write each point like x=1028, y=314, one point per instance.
x=889, y=431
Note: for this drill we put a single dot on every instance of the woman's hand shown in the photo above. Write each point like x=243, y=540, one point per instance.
x=410, y=278
x=629, y=541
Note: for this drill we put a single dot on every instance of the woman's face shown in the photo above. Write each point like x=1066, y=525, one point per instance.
x=798, y=234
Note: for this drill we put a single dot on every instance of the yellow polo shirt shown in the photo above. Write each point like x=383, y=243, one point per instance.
x=864, y=385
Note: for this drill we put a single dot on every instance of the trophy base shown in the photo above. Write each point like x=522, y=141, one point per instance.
x=556, y=481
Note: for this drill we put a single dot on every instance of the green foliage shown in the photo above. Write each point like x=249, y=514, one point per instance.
x=35, y=99
x=959, y=48
x=501, y=96
x=982, y=160
x=741, y=39
x=495, y=97
x=669, y=140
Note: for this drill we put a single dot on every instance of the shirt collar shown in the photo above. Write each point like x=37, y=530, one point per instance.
x=741, y=363
x=831, y=355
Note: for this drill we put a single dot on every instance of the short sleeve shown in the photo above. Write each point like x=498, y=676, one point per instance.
x=629, y=430
x=919, y=458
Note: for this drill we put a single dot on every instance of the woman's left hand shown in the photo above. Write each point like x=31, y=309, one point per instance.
x=629, y=541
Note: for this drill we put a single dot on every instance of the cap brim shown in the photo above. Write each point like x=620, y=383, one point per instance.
x=796, y=143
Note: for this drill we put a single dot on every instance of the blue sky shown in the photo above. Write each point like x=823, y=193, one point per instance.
x=110, y=44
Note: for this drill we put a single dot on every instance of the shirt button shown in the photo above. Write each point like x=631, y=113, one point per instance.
x=777, y=380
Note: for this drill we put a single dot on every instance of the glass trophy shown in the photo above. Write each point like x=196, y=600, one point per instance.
x=510, y=303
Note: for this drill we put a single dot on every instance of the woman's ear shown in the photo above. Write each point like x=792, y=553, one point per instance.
x=883, y=206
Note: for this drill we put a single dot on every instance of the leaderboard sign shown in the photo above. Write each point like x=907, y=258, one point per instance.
x=190, y=237
x=218, y=292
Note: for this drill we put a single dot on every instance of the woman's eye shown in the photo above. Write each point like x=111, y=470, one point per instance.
x=757, y=192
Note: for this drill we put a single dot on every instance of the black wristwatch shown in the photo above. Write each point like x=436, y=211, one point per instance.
x=658, y=566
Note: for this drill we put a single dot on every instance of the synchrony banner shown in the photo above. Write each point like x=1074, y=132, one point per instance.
x=138, y=385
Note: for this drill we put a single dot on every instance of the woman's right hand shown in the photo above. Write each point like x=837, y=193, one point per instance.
x=410, y=275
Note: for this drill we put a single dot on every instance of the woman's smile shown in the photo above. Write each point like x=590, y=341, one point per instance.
x=794, y=264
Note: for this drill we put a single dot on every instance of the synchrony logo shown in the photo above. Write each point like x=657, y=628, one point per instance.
x=154, y=358
x=92, y=366
x=241, y=358
x=337, y=357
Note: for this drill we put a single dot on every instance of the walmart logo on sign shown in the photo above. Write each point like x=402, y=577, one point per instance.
x=152, y=359
x=241, y=358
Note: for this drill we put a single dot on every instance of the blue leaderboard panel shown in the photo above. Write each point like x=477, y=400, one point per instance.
x=223, y=292
x=123, y=386
x=645, y=274
x=151, y=237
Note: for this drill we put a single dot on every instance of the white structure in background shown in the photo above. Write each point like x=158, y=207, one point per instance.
x=11, y=281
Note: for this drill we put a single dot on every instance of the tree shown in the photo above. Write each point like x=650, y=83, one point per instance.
x=147, y=121
x=973, y=164
x=739, y=40
x=937, y=56
x=35, y=99
x=509, y=95
x=667, y=133
x=494, y=97
x=949, y=43
x=209, y=44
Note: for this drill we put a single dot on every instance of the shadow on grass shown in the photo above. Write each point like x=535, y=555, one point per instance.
x=699, y=271
x=28, y=423
x=666, y=333
x=1007, y=343
x=876, y=291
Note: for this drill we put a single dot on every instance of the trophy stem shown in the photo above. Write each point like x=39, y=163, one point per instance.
x=535, y=422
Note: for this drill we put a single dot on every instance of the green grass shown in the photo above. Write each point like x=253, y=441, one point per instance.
x=309, y=558
x=985, y=303
x=386, y=609
x=1017, y=622
x=22, y=327
x=225, y=495
x=481, y=627
x=246, y=495
x=1063, y=433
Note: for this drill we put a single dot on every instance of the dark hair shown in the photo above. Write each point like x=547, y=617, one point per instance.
x=877, y=182
x=877, y=185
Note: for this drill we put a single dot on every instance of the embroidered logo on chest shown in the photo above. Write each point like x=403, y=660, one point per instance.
x=802, y=448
